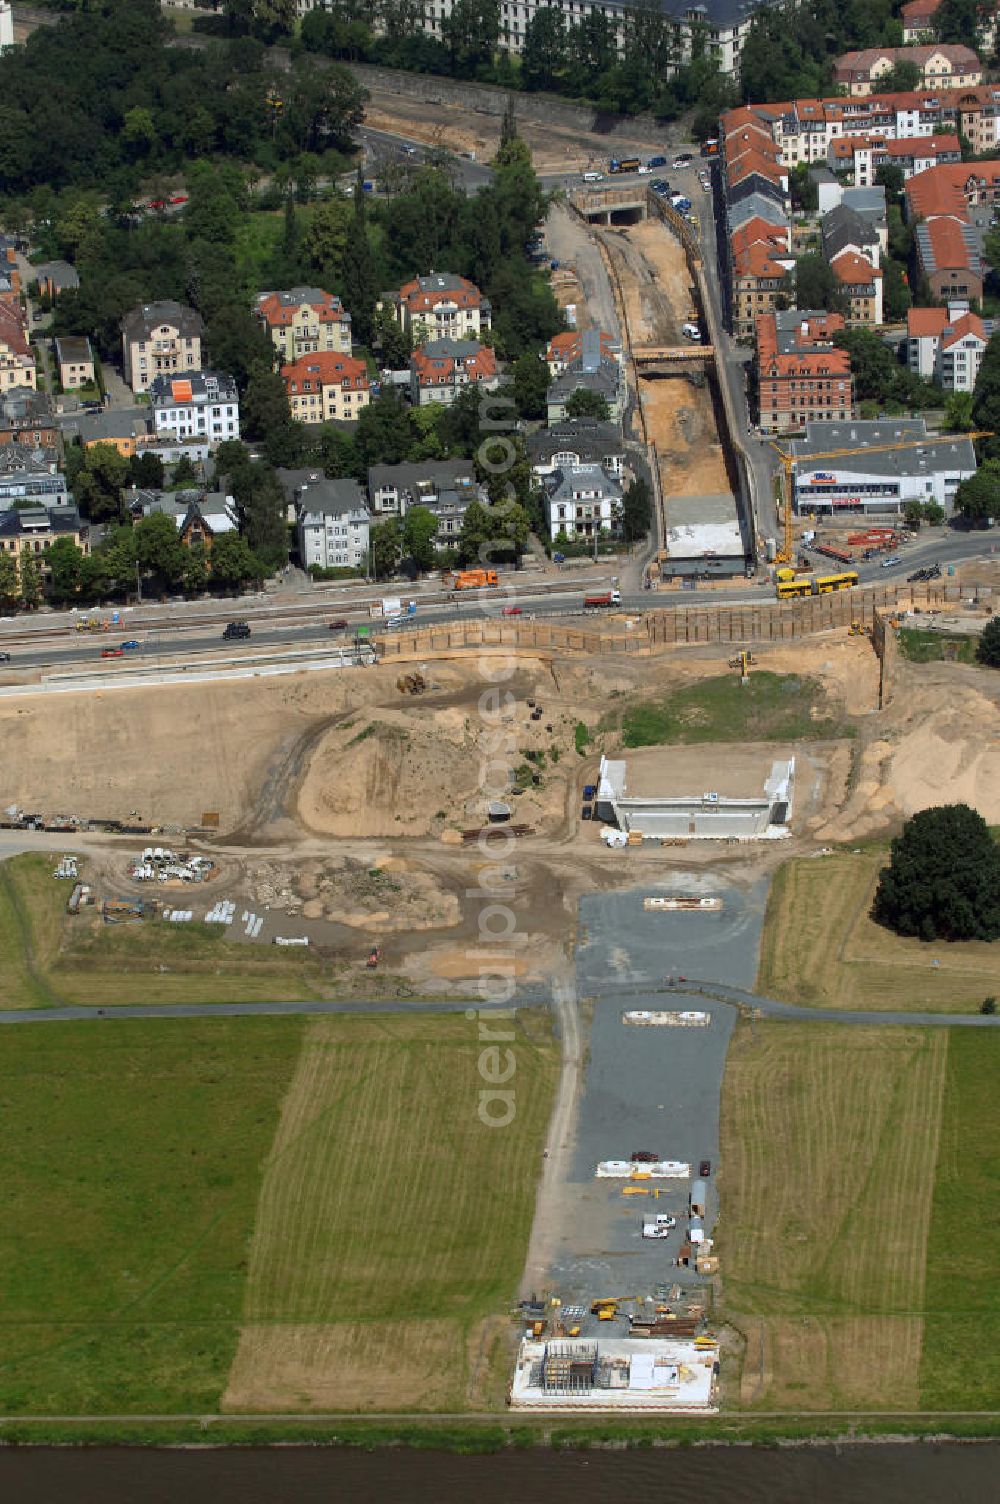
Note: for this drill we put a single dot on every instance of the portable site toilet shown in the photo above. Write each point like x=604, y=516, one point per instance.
x=698, y=1198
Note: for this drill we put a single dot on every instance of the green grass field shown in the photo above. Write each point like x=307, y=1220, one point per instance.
x=49, y=958
x=923, y=646
x=961, y=1355
x=392, y=1222
x=860, y=1235
x=261, y=1213
x=133, y=1152
x=770, y=708
x=819, y=946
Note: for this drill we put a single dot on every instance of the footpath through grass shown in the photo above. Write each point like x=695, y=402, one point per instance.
x=820, y=947
x=770, y=708
x=51, y=959
x=961, y=1357
x=132, y=1158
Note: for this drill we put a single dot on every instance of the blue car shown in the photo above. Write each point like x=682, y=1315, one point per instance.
x=132, y=646
x=657, y=162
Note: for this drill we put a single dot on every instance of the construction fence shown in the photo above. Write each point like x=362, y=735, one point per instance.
x=767, y=621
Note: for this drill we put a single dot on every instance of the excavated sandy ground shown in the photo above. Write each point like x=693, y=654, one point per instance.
x=344, y=799
x=656, y=286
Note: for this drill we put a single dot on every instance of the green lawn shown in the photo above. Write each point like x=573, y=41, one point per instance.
x=132, y=1161
x=923, y=646
x=961, y=1356
x=771, y=707
x=32, y=913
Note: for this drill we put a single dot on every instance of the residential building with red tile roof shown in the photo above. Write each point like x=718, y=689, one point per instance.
x=946, y=345
x=440, y=306
x=304, y=320
x=952, y=189
x=861, y=284
x=17, y=362
x=917, y=17
x=441, y=368
x=325, y=387
x=801, y=374
x=942, y=66
x=563, y=349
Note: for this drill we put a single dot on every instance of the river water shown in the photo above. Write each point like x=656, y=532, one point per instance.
x=922, y=1473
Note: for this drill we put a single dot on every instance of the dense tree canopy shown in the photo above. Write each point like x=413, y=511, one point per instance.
x=988, y=647
x=943, y=878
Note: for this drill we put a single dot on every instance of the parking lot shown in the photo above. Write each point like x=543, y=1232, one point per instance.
x=650, y=1089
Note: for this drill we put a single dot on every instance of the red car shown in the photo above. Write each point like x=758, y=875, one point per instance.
x=157, y=203
x=179, y=198
x=112, y=652
x=340, y=625
x=511, y=611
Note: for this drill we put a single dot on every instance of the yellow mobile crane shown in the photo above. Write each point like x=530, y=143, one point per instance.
x=786, y=554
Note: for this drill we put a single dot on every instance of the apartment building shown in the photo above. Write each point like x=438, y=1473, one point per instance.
x=160, y=339
x=393, y=489
x=942, y=66
x=17, y=361
x=440, y=306
x=441, y=368
x=581, y=501
x=860, y=157
x=27, y=531
x=861, y=286
x=801, y=374
x=717, y=27
x=946, y=345
x=304, y=320
x=204, y=405
x=326, y=387
x=918, y=19
x=332, y=524
x=30, y=475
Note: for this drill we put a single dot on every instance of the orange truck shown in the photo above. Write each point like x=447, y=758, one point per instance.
x=474, y=579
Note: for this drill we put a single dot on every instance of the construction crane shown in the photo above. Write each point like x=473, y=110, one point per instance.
x=786, y=554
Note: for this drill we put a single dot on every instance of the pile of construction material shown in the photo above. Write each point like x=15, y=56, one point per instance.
x=178, y=916
x=159, y=864
x=224, y=912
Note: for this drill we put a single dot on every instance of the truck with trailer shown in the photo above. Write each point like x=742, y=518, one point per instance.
x=624, y=164
x=605, y=599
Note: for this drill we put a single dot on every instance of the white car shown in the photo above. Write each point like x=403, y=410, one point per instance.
x=893, y=559
x=643, y=171
x=593, y=177
x=706, y=186
x=691, y=332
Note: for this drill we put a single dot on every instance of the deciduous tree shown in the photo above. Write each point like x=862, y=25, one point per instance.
x=943, y=878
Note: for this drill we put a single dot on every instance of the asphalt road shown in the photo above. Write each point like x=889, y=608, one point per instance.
x=937, y=546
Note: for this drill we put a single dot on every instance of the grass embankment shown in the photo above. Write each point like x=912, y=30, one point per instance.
x=770, y=708
x=49, y=958
x=820, y=947
x=262, y=1214
x=132, y=1152
x=860, y=1229
x=392, y=1222
x=922, y=646
x=961, y=1357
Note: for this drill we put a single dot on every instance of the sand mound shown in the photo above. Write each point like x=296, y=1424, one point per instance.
x=384, y=894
